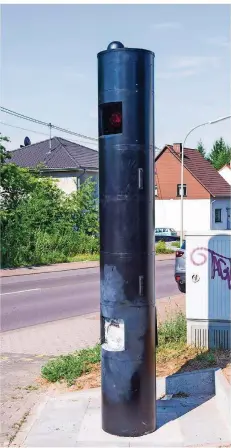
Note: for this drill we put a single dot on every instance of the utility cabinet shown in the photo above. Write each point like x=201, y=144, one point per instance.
x=208, y=289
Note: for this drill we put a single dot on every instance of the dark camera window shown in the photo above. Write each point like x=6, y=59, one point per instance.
x=111, y=121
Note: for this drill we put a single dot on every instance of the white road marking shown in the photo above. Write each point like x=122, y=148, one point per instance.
x=20, y=292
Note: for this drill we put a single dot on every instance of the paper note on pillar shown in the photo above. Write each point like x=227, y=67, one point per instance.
x=114, y=335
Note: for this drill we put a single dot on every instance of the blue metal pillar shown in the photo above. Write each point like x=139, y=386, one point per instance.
x=126, y=171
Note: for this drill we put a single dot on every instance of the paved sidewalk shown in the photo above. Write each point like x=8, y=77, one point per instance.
x=53, y=338
x=66, y=335
x=59, y=267
x=19, y=391
x=24, y=351
x=168, y=306
x=188, y=415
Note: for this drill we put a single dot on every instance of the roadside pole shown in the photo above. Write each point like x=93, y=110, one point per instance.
x=126, y=184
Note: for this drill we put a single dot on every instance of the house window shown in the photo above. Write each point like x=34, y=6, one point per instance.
x=78, y=182
x=156, y=190
x=217, y=214
x=179, y=190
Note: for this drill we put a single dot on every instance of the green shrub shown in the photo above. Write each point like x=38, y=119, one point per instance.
x=162, y=249
x=40, y=224
x=174, y=329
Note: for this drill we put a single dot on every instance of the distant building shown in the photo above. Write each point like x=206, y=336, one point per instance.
x=206, y=193
x=225, y=172
x=67, y=162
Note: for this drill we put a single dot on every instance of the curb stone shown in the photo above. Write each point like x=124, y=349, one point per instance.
x=223, y=391
x=72, y=266
x=31, y=419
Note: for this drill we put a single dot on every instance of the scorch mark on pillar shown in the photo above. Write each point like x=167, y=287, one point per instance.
x=219, y=263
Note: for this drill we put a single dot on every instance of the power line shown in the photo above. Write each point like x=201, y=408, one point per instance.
x=43, y=123
x=49, y=125
x=23, y=129
x=42, y=133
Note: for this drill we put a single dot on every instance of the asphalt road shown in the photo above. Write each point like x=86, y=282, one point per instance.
x=34, y=299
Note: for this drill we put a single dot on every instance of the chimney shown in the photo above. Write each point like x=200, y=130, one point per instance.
x=177, y=147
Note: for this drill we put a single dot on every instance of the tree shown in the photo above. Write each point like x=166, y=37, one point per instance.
x=220, y=154
x=40, y=223
x=4, y=154
x=16, y=182
x=201, y=149
x=84, y=209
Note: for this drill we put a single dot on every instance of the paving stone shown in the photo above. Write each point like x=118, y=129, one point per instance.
x=24, y=351
x=181, y=422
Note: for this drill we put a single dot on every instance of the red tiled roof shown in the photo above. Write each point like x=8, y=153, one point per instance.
x=203, y=171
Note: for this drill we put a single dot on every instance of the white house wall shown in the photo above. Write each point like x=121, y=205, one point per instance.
x=65, y=181
x=196, y=214
x=222, y=204
x=225, y=172
x=69, y=182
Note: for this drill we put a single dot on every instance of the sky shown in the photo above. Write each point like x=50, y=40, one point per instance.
x=49, y=67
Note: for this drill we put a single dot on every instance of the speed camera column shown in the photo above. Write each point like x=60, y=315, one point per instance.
x=126, y=169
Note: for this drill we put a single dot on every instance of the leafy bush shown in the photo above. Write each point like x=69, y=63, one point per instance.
x=161, y=248
x=39, y=223
x=174, y=329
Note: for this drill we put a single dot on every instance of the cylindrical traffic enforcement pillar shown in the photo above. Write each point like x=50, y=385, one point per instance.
x=126, y=172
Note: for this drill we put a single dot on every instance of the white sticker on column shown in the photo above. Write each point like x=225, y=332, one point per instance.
x=114, y=335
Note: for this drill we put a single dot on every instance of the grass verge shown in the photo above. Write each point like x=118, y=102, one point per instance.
x=160, y=248
x=70, y=367
x=175, y=243
x=82, y=369
x=84, y=257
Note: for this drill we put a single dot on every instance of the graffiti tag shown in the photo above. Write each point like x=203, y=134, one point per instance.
x=219, y=263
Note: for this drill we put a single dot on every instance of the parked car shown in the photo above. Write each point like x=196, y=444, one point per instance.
x=165, y=234
x=180, y=267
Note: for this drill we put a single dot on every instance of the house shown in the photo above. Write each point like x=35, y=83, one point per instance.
x=206, y=193
x=67, y=162
x=225, y=172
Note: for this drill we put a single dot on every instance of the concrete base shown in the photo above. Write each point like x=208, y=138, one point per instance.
x=209, y=334
x=192, y=417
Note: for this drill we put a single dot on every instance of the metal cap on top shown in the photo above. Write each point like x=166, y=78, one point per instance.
x=114, y=45
x=118, y=46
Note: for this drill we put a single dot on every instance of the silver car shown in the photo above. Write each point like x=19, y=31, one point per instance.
x=180, y=268
x=165, y=234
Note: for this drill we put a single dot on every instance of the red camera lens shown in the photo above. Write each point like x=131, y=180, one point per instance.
x=111, y=118
x=116, y=119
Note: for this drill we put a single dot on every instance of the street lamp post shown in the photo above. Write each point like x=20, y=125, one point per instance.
x=182, y=170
